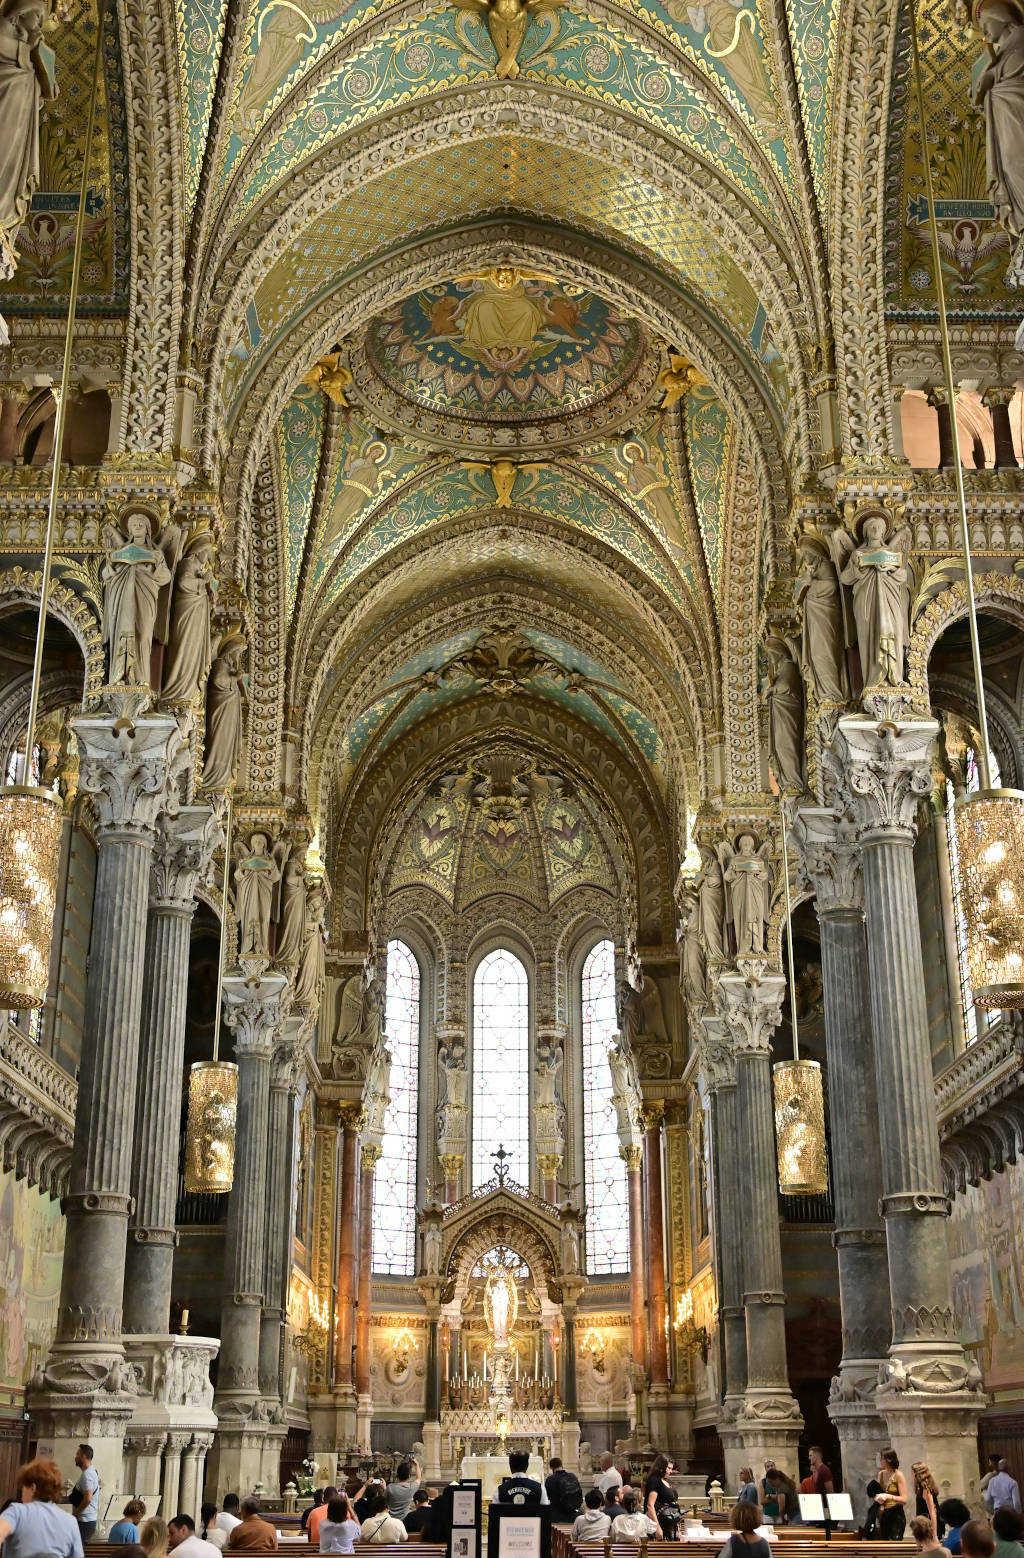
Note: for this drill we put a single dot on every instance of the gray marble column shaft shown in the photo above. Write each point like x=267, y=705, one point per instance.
x=280, y=1220
x=181, y=856
x=729, y=1197
x=129, y=770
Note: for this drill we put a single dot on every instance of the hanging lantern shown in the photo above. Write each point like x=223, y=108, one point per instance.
x=990, y=849
x=30, y=828
x=210, y=1132
x=800, y=1128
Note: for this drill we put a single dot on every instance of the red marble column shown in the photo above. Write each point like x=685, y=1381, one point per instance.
x=368, y=1165
x=633, y=1157
x=656, y=1245
x=349, y=1120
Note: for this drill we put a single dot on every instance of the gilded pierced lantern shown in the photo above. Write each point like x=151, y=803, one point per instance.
x=210, y=1132
x=990, y=849
x=800, y=1128
x=30, y=829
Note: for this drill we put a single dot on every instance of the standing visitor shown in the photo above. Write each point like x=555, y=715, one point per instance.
x=564, y=1492
x=660, y=1501
x=1002, y=1492
x=34, y=1523
x=400, y=1491
x=926, y=1494
x=85, y=1497
x=748, y=1487
x=821, y=1476
x=610, y=1476
x=892, y=1501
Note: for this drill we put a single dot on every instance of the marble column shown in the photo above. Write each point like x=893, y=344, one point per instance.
x=285, y=1068
x=769, y=1420
x=718, y=1065
x=129, y=767
x=930, y=1398
x=170, y=1487
x=350, y=1116
x=181, y=858
x=657, y=1307
x=188, y=1498
x=253, y=1011
x=828, y=844
x=997, y=399
x=569, y=1391
x=633, y=1157
x=369, y=1155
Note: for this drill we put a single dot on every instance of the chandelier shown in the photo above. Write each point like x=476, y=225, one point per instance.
x=692, y=1338
x=799, y=1094
x=989, y=824
x=31, y=816
x=213, y=1087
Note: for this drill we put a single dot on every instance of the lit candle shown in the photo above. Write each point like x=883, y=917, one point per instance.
x=465, y=1363
x=485, y=1366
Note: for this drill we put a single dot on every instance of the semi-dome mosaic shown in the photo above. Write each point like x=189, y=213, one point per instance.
x=505, y=359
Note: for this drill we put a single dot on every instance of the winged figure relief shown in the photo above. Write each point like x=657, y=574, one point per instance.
x=506, y=22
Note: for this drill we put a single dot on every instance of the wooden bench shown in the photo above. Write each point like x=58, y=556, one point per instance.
x=562, y=1546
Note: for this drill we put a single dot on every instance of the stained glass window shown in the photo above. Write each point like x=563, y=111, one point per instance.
x=604, y=1170
x=976, y=1018
x=394, y=1195
x=501, y=1066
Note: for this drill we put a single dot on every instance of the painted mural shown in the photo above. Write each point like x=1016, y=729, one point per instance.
x=503, y=345
x=988, y=1276
x=31, y=1250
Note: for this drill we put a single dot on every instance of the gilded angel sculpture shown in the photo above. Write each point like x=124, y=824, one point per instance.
x=506, y=22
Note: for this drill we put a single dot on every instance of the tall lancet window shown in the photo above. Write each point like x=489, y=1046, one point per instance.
x=501, y=1066
x=394, y=1194
x=604, y=1170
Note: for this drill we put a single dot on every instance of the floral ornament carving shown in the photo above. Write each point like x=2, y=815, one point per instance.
x=182, y=852
x=827, y=841
x=751, y=1005
x=130, y=770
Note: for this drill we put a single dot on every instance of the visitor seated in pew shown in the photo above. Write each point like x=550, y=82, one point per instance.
x=595, y=1523
x=633, y=1525
x=744, y=1520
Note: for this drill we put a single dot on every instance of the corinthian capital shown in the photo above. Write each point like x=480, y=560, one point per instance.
x=827, y=841
x=751, y=1004
x=715, y=1054
x=130, y=768
x=254, y=1010
x=886, y=769
x=182, y=850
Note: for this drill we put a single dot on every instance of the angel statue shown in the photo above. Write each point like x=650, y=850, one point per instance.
x=25, y=81
x=878, y=572
x=822, y=656
x=997, y=91
x=138, y=566
x=257, y=873
x=745, y=872
x=710, y=890
x=506, y=22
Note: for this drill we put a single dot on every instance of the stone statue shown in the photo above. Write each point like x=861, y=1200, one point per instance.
x=292, y=925
x=629, y=1010
x=257, y=872
x=625, y=1092
x=549, y=1069
x=999, y=91
x=24, y=82
x=224, y=715
x=309, y=983
x=822, y=639
x=570, y=1249
x=710, y=890
x=138, y=566
x=451, y=1061
x=432, y=1249
x=506, y=22
x=692, y=960
x=880, y=577
x=745, y=872
x=786, y=716
x=190, y=646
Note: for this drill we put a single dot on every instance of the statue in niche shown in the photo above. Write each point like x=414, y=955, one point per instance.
x=999, y=92
x=570, y=1249
x=786, y=716
x=879, y=574
x=550, y=1060
x=506, y=22
x=350, y=1015
x=745, y=873
x=292, y=925
x=629, y=1009
x=309, y=982
x=25, y=81
x=822, y=658
x=224, y=715
x=432, y=1249
x=625, y=1091
x=257, y=873
x=190, y=645
x=692, y=960
x=710, y=890
x=138, y=566
x=451, y=1062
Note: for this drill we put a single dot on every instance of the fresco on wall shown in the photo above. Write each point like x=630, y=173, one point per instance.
x=988, y=1275
x=31, y=1250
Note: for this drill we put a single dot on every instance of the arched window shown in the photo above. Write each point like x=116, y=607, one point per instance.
x=604, y=1170
x=394, y=1195
x=976, y=1018
x=501, y=1066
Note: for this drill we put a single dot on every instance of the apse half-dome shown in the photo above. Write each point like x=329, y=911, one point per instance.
x=505, y=361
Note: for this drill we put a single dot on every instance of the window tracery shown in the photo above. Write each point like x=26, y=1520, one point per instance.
x=604, y=1171
x=501, y=1066
x=394, y=1211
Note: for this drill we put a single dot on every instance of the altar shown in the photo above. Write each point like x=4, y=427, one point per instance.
x=490, y=1469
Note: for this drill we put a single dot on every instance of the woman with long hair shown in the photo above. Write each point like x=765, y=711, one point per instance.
x=892, y=1500
x=153, y=1537
x=926, y=1494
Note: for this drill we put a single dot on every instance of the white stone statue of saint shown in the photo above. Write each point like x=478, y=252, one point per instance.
x=309, y=982
x=745, y=871
x=878, y=572
x=710, y=890
x=257, y=872
x=822, y=656
x=786, y=717
x=999, y=91
x=223, y=744
x=190, y=646
x=138, y=566
x=291, y=928
x=549, y=1070
x=25, y=81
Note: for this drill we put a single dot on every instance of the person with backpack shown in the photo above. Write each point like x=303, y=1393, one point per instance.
x=564, y=1492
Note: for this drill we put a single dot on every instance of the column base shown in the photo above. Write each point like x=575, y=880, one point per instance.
x=941, y=1430
x=770, y=1426
x=270, y=1463
x=235, y=1464
x=334, y=1422
x=657, y=1414
x=432, y=1449
x=569, y=1444
x=853, y=1408
x=735, y=1454
x=78, y=1399
x=364, y=1417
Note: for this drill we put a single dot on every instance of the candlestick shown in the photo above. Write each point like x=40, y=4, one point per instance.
x=485, y=1366
x=465, y=1363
